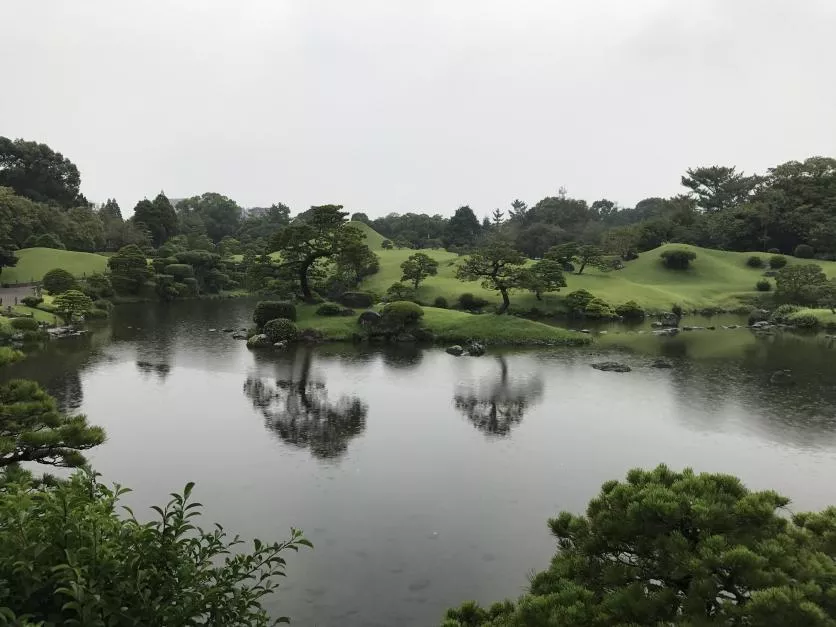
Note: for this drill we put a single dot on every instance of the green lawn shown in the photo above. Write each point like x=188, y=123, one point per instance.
x=33, y=263
x=454, y=327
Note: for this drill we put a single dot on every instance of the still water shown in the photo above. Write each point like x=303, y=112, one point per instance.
x=422, y=479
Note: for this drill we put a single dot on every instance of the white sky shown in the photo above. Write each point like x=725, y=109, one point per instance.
x=424, y=105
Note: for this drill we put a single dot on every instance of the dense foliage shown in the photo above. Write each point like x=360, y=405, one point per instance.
x=72, y=304
x=418, y=267
x=678, y=548
x=280, y=330
x=267, y=310
x=678, y=259
x=498, y=265
x=58, y=281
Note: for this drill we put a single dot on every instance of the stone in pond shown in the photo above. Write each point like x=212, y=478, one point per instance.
x=611, y=366
x=455, y=350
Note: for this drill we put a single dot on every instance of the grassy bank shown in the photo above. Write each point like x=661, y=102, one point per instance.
x=453, y=327
x=826, y=318
x=34, y=263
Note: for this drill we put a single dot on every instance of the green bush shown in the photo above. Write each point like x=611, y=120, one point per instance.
x=387, y=244
x=44, y=240
x=179, y=271
x=757, y=315
x=630, y=310
x=804, y=251
x=578, y=300
x=96, y=314
x=401, y=314
x=104, y=305
x=281, y=330
x=763, y=285
x=267, y=310
x=804, y=321
x=24, y=324
x=69, y=555
x=782, y=314
x=469, y=302
x=598, y=308
x=755, y=262
x=329, y=309
x=31, y=301
x=774, y=251
x=440, y=302
x=98, y=285
x=776, y=262
x=678, y=258
x=400, y=291
x=58, y=281
x=357, y=299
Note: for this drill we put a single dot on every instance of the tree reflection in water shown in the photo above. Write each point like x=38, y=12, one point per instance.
x=298, y=410
x=497, y=405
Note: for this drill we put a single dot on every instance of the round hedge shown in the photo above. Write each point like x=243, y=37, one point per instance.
x=329, y=309
x=630, y=310
x=755, y=262
x=179, y=271
x=58, y=281
x=280, y=330
x=24, y=324
x=776, y=262
x=763, y=285
x=403, y=312
x=440, y=302
x=804, y=251
x=267, y=310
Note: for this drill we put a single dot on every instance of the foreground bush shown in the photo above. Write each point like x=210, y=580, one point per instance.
x=24, y=324
x=763, y=285
x=68, y=558
x=31, y=301
x=678, y=548
x=440, y=302
x=357, y=299
x=678, y=259
x=804, y=321
x=469, y=302
x=755, y=262
x=328, y=309
x=402, y=313
x=598, y=308
x=782, y=314
x=267, y=310
x=281, y=330
x=630, y=310
x=804, y=251
x=58, y=281
x=578, y=300
x=776, y=262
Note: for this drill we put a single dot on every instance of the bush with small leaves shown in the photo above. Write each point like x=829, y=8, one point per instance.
x=469, y=302
x=179, y=271
x=96, y=314
x=387, y=244
x=400, y=291
x=804, y=251
x=630, y=310
x=598, y=308
x=24, y=324
x=281, y=330
x=804, y=321
x=58, y=281
x=267, y=310
x=782, y=314
x=577, y=301
x=763, y=285
x=755, y=262
x=31, y=301
x=357, y=299
x=440, y=302
x=401, y=314
x=329, y=309
x=678, y=258
x=776, y=262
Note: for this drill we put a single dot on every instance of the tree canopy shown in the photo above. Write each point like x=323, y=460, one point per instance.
x=418, y=267
x=37, y=172
x=498, y=264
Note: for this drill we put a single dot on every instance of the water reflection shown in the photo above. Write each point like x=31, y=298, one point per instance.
x=296, y=407
x=496, y=405
x=162, y=370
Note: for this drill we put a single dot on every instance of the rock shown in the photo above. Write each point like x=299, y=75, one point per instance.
x=711, y=328
x=669, y=332
x=762, y=324
x=770, y=273
x=228, y=330
x=475, y=349
x=585, y=331
x=258, y=341
x=602, y=332
x=280, y=345
x=455, y=350
x=212, y=330
x=693, y=328
x=242, y=329
x=310, y=336
x=656, y=324
x=668, y=319
x=611, y=366
x=782, y=377
x=368, y=318
x=661, y=363
x=238, y=335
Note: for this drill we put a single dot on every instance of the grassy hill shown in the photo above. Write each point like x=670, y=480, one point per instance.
x=33, y=263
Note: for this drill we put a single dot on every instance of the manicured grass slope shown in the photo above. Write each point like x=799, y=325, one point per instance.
x=34, y=263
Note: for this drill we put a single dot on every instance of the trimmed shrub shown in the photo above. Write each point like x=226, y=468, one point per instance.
x=440, y=302
x=678, y=258
x=281, y=330
x=357, y=299
x=782, y=314
x=31, y=301
x=804, y=251
x=179, y=271
x=630, y=310
x=24, y=324
x=469, y=302
x=763, y=285
x=757, y=315
x=578, y=300
x=387, y=244
x=98, y=285
x=776, y=262
x=58, y=281
x=755, y=262
x=44, y=240
x=267, y=310
x=804, y=321
x=329, y=309
x=598, y=308
x=401, y=314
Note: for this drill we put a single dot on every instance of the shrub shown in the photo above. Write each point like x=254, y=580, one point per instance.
x=24, y=324
x=630, y=255
x=757, y=315
x=763, y=285
x=598, y=308
x=179, y=271
x=104, y=305
x=630, y=310
x=387, y=244
x=89, y=563
x=58, y=281
x=44, y=240
x=678, y=258
x=96, y=314
x=329, y=309
x=578, y=300
x=31, y=301
x=678, y=311
x=776, y=262
x=267, y=310
x=755, y=262
x=804, y=251
x=804, y=321
x=401, y=314
x=98, y=285
x=281, y=330
x=774, y=251
x=782, y=314
x=469, y=302
x=357, y=299
x=400, y=291
x=440, y=302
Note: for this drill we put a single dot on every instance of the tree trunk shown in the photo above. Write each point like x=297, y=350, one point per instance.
x=506, y=302
x=583, y=265
x=303, y=278
x=537, y=294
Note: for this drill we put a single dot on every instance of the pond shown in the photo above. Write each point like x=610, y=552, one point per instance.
x=422, y=479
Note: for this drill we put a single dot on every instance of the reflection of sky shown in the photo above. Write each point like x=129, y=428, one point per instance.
x=422, y=511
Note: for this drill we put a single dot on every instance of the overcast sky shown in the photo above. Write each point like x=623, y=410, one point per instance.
x=423, y=105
